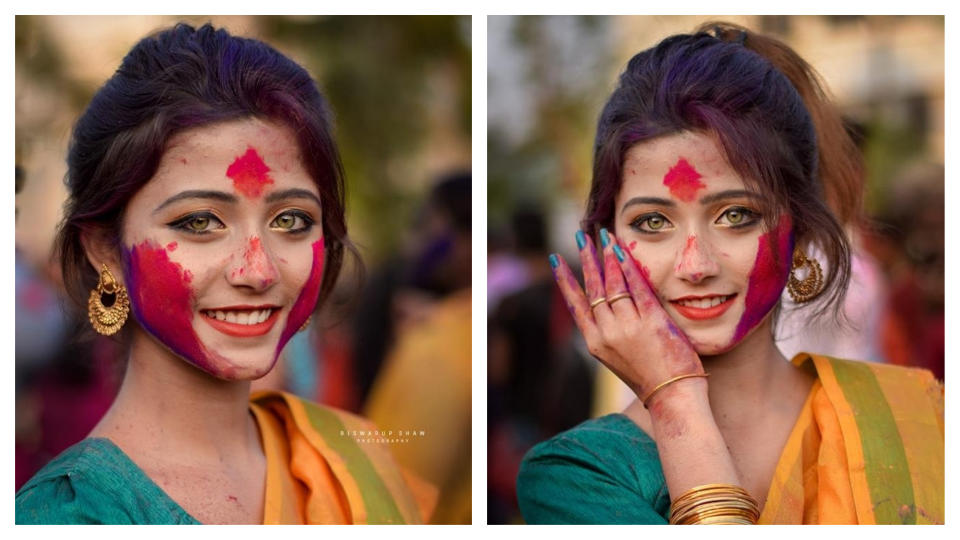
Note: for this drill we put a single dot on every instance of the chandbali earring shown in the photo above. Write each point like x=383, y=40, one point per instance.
x=806, y=289
x=109, y=304
x=306, y=324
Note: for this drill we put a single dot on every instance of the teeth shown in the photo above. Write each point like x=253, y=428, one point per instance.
x=704, y=303
x=240, y=317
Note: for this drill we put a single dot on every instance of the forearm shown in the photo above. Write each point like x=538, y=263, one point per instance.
x=691, y=447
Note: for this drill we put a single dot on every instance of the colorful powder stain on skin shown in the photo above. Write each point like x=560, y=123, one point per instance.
x=249, y=174
x=683, y=181
x=255, y=259
x=163, y=301
x=307, y=299
x=171, y=246
x=768, y=277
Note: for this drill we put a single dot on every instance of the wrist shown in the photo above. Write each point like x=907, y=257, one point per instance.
x=683, y=397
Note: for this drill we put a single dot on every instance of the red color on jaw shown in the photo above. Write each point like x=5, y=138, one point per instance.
x=307, y=300
x=249, y=174
x=768, y=277
x=683, y=181
x=163, y=303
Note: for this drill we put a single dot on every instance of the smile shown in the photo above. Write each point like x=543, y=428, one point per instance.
x=702, y=308
x=242, y=321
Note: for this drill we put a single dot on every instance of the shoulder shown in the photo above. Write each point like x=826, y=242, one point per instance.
x=605, y=470
x=90, y=482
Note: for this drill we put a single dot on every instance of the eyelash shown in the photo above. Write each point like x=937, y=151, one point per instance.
x=751, y=218
x=183, y=223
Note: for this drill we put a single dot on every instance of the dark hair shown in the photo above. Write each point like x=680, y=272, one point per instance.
x=719, y=85
x=177, y=79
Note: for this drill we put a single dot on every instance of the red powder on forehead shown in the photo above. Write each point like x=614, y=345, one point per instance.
x=683, y=181
x=768, y=277
x=307, y=299
x=249, y=174
x=163, y=301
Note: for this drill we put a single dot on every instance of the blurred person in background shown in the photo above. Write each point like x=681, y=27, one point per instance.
x=721, y=172
x=204, y=227
x=421, y=395
x=539, y=383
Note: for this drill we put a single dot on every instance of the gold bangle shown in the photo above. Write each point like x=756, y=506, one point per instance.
x=660, y=386
x=616, y=297
x=597, y=302
x=714, y=504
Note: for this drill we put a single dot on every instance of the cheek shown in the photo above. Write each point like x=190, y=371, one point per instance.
x=767, y=278
x=306, y=301
x=163, y=299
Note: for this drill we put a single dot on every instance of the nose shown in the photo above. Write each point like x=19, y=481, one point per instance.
x=696, y=261
x=252, y=266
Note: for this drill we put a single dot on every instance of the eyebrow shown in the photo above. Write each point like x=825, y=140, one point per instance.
x=707, y=199
x=295, y=193
x=197, y=194
x=728, y=194
x=659, y=201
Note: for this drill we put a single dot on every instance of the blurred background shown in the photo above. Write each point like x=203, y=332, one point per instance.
x=548, y=78
x=394, y=346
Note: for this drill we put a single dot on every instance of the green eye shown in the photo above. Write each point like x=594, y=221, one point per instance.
x=198, y=223
x=738, y=217
x=292, y=222
x=656, y=223
x=734, y=216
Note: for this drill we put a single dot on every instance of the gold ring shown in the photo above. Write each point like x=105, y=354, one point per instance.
x=616, y=297
x=597, y=302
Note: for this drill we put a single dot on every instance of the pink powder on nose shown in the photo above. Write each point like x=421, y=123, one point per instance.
x=163, y=302
x=767, y=278
x=255, y=259
x=249, y=174
x=306, y=301
x=683, y=181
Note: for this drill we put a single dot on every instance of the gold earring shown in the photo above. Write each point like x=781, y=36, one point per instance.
x=806, y=289
x=109, y=304
x=306, y=324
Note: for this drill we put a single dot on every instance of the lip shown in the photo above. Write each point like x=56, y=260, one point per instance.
x=702, y=314
x=243, y=330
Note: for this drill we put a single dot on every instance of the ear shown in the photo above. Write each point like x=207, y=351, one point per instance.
x=101, y=249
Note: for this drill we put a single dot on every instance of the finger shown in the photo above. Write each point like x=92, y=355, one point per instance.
x=592, y=278
x=636, y=279
x=572, y=293
x=615, y=285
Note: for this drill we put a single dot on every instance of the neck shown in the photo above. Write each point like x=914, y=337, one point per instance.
x=167, y=407
x=751, y=380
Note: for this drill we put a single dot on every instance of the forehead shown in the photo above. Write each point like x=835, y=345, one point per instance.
x=648, y=165
x=232, y=138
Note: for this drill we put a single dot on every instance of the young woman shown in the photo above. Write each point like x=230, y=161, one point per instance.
x=205, y=224
x=721, y=174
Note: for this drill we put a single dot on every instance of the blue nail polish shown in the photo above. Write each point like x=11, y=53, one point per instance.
x=554, y=261
x=581, y=240
x=604, y=238
x=619, y=253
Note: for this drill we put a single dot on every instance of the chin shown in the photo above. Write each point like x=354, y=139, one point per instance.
x=227, y=360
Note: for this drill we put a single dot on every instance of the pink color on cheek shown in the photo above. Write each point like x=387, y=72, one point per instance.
x=683, y=181
x=249, y=174
x=307, y=300
x=163, y=301
x=171, y=246
x=768, y=277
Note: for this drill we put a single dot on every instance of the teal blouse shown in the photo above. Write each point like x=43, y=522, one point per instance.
x=94, y=482
x=603, y=471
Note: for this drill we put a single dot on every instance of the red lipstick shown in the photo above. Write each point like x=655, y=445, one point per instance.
x=701, y=314
x=243, y=330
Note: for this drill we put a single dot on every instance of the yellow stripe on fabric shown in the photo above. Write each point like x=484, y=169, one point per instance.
x=785, y=500
x=272, y=499
x=886, y=468
x=851, y=437
x=916, y=420
x=282, y=503
x=377, y=499
x=387, y=471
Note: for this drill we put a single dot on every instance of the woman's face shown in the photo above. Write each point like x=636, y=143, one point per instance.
x=223, y=247
x=696, y=232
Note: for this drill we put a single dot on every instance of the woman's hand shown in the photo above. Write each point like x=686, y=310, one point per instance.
x=632, y=335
